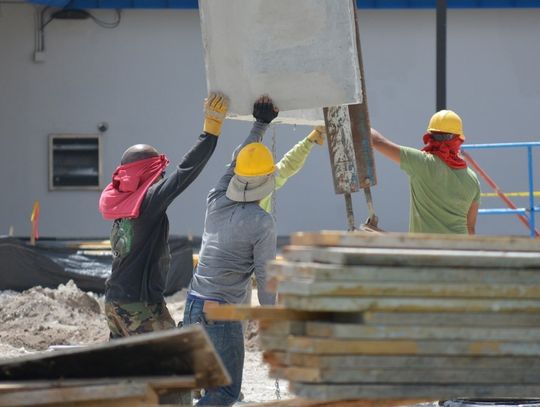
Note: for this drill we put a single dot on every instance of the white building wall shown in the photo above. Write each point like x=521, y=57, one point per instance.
x=146, y=79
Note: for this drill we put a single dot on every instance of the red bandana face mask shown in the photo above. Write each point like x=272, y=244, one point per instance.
x=123, y=197
x=446, y=150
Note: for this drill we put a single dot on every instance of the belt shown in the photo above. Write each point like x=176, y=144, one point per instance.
x=207, y=303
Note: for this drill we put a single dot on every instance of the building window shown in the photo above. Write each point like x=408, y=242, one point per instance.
x=74, y=161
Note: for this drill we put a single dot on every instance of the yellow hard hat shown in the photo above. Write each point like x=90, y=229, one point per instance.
x=254, y=160
x=446, y=121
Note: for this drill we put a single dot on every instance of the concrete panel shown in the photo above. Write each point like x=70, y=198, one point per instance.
x=302, y=53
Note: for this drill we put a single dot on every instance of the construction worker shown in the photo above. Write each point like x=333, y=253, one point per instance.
x=239, y=238
x=137, y=200
x=445, y=193
x=289, y=165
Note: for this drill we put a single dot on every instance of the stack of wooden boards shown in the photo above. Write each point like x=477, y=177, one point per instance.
x=142, y=370
x=392, y=316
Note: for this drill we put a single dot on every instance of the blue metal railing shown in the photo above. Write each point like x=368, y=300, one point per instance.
x=529, y=212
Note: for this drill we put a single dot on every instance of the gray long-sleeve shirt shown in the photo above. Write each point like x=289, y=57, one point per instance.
x=238, y=239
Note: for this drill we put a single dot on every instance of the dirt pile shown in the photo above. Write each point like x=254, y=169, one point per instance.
x=39, y=317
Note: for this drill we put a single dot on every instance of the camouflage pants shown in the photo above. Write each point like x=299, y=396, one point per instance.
x=125, y=319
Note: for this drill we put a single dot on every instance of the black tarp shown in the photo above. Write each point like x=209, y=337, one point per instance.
x=53, y=262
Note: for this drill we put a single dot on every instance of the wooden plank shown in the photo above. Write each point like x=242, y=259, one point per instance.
x=283, y=327
x=412, y=257
x=314, y=272
x=323, y=346
x=403, y=289
x=438, y=392
x=411, y=375
x=415, y=241
x=319, y=329
x=133, y=392
x=269, y=313
x=155, y=382
x=186, y=351
x=273, y=342
x=389, y=304
x=358, y=331
x=486, y=319
x=298, y=402
x=275, y=358
x=284, y=359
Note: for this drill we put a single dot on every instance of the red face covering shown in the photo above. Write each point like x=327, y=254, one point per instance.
x=446, y=150
x=123, y=197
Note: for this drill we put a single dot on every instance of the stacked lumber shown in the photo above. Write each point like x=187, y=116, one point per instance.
x=113, y=392
x=406, y=317
x=141, y=370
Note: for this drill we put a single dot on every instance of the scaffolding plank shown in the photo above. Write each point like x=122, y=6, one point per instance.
x=284, y=359
x=415, y=241
x=358, y=331
x=400, y=304
x=457, y=319
x=403, y=289
x=283, y=327
x=186, y=351
x=410, y=374
x=127, y=392
x=330, y=346
x=271, y=313
x=412, y=257
x=299, y=402
x=315, y=272
x=157, y=383
x=438, y=392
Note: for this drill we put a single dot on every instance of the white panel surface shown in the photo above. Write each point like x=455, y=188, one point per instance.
x=302, y=53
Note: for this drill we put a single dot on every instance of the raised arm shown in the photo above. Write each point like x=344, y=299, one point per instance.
x=191, y=165
x=295, y=158
x=385, y=146
x=264, y=112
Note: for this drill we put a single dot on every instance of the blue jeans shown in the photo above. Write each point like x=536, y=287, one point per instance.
x=228, y=339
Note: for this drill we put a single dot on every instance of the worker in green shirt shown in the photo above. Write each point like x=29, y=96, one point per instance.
x=445, y=193
x=293, y=161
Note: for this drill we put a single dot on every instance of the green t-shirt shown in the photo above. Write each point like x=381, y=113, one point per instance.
x=440, y=196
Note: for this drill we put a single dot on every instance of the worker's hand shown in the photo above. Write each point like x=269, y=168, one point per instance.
x=215, y=109
x=264, y=110
x=317, y=135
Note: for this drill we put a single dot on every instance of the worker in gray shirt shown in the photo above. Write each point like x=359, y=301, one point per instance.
x=239, y=238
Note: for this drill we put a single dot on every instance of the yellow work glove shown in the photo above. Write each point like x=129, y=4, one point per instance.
x=215, y=109
x=317, y=135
